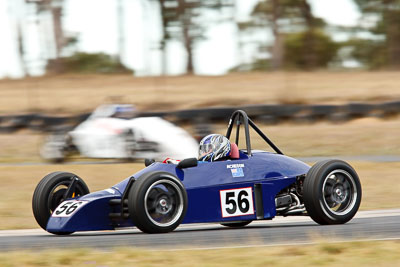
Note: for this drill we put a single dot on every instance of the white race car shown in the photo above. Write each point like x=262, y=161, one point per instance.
x=111, y=131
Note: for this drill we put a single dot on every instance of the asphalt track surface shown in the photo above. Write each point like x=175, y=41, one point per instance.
x=367, y=225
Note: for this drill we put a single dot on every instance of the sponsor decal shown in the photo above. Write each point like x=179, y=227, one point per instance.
x=236, y=169
x=233, y=166
x=238, y=172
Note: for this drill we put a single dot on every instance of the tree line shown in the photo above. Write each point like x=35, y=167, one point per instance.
x=300, y=40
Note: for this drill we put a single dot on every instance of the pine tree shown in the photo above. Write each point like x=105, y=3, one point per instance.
x=182, y=20
x=292, y=20
x=387, y=14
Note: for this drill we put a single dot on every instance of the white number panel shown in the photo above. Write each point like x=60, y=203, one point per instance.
x=237, y=202
x=67, y=208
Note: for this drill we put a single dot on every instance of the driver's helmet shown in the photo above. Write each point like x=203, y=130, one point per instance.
x=214, y=147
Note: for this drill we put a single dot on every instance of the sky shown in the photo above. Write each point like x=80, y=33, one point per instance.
x=94, y=22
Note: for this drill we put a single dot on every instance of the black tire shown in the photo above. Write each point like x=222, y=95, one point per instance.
x=55, y=148
x=236, y=224
x=332, y=192
x=130, y=144
x=49, y=194
x=157, y=202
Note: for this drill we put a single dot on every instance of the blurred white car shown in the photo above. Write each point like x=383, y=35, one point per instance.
x=111, y=131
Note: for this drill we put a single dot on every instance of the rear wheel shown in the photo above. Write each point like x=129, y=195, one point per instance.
x=56, y=148
x=129, y=144
x=157, y=202
x=49, y=193
x=332, y=192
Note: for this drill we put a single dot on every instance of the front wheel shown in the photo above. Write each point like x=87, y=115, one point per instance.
x=157, y=202
x=332, y=192
x=50, y=193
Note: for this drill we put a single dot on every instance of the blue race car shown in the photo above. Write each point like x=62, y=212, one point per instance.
x=249, y=185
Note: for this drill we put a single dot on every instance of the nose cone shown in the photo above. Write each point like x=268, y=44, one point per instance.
x=92, y=215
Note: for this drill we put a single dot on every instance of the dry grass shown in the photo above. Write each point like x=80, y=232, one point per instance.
x=323, y=254
x=380, y=184
x=76, y=93
x=20, y=147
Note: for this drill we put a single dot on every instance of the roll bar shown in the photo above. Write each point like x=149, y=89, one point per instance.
x=240, y=117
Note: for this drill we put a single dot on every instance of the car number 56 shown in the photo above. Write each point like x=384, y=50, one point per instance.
x=67, y=208
x=237, y=202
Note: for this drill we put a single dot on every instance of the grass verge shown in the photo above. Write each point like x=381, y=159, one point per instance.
x=84, y=92
x=373, y=253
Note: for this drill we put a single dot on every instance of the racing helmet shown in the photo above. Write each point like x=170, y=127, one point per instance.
x=214, y=147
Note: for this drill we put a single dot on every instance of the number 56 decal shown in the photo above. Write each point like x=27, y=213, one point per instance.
x=67, y=208
x=237, y=202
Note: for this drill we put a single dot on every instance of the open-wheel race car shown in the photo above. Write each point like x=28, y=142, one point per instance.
x=115, y=132
x=248, y=185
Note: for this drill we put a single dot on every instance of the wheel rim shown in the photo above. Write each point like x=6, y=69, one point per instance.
x=163, y=203
x=56, y=196
x=339, y=192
